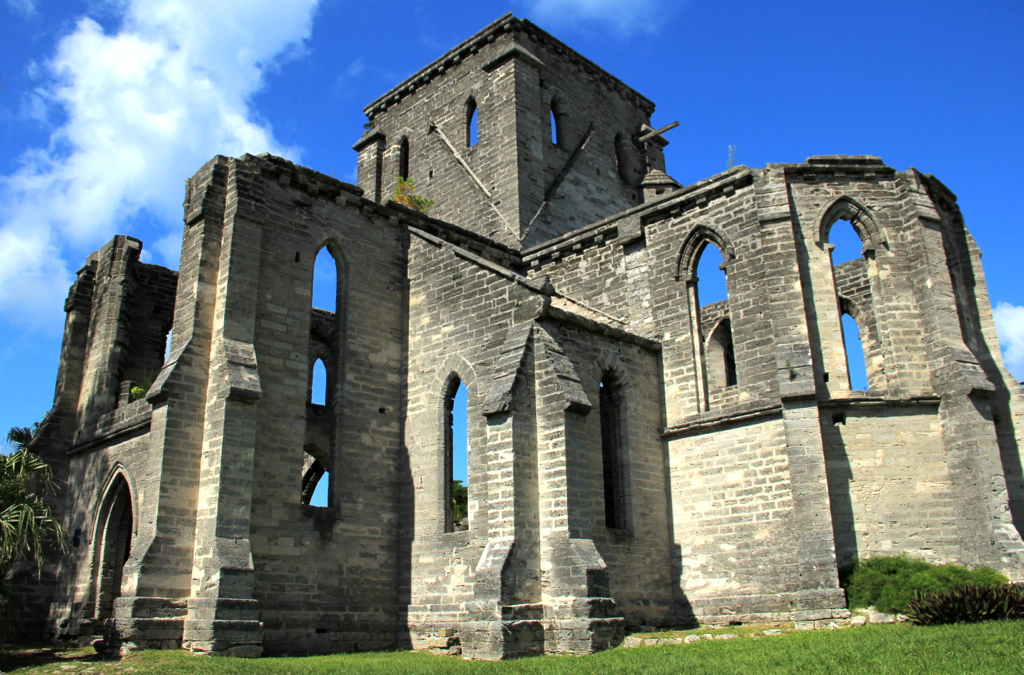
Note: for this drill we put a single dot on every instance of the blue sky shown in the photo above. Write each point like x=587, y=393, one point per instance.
x=107, y=106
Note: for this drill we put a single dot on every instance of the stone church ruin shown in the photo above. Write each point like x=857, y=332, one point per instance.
x=636, y=457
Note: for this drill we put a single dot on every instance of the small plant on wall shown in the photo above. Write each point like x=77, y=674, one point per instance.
x=404, y=196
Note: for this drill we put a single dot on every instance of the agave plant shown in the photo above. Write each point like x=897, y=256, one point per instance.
x=26, y=521
x=968, y=604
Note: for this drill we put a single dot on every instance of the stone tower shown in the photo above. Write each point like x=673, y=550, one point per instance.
x=556, y=144
x=637, y=455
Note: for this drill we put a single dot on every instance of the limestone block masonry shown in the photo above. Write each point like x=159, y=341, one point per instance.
x=635, y=457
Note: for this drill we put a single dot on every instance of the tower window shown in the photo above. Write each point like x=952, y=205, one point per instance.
x=556, y=117
x=403, y=159
x=471, y=123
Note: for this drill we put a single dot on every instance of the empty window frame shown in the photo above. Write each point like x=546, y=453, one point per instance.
x=556, y=120
x=112, y=546
x=472, y=123
x=456, y=456
x=327, y=304
x=403, y=158
x=612, y=405
x=856, y=364
x=719, y=358
x=844, y=245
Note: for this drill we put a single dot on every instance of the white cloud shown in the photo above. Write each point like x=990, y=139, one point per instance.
x=343, y=83
x=145, y=107
x=623, y=17
x=24, y=7
x=1010, y=327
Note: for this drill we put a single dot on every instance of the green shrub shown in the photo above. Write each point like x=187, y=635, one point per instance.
x=968, y=604
x=889, y=583
x=404, y=196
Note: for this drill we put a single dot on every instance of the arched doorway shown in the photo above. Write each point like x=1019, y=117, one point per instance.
x=113, y=543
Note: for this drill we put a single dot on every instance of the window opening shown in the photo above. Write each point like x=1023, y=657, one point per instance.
x=845, y=245
x=846, y=241
x=456, y=456
x=167, y=344
x=856, y=366
x=327, y=300
x=403, y=159
x=325, y=281
x=721, y=359
x=113, y=547
x=555, y=130
x=314, y=485
x=621, y=158
x=318, y=391
x=710, y=276
x=610, y=403
x=712, y=326
x=471, y=123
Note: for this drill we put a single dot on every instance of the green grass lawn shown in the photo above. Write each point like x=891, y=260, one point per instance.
x=992, y=647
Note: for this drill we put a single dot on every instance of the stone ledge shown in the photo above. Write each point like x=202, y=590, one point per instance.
x=739, y=413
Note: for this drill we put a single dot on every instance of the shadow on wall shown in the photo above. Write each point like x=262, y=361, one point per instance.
x=839, y=475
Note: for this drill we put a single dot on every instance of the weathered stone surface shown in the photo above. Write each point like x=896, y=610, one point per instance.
x=636, y=457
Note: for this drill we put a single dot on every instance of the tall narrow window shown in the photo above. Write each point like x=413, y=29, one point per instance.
x=612, y=451
x=622, y=158
x=456, y=451
x=318, y=393
x=471, y=123
x=325, y=281
x=846, y=252
x=715, y=326
x=556, y=131
x=711, y=322
x=721, y=359
x=322, y=402
x=403, y=158
x=856, y=366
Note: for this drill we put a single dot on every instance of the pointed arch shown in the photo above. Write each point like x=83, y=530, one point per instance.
x=454, y=374
x=113, y=535
x=715, y=371
x=849, y=209
x=342, y=265
x=689, y=253
x=472, y=122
